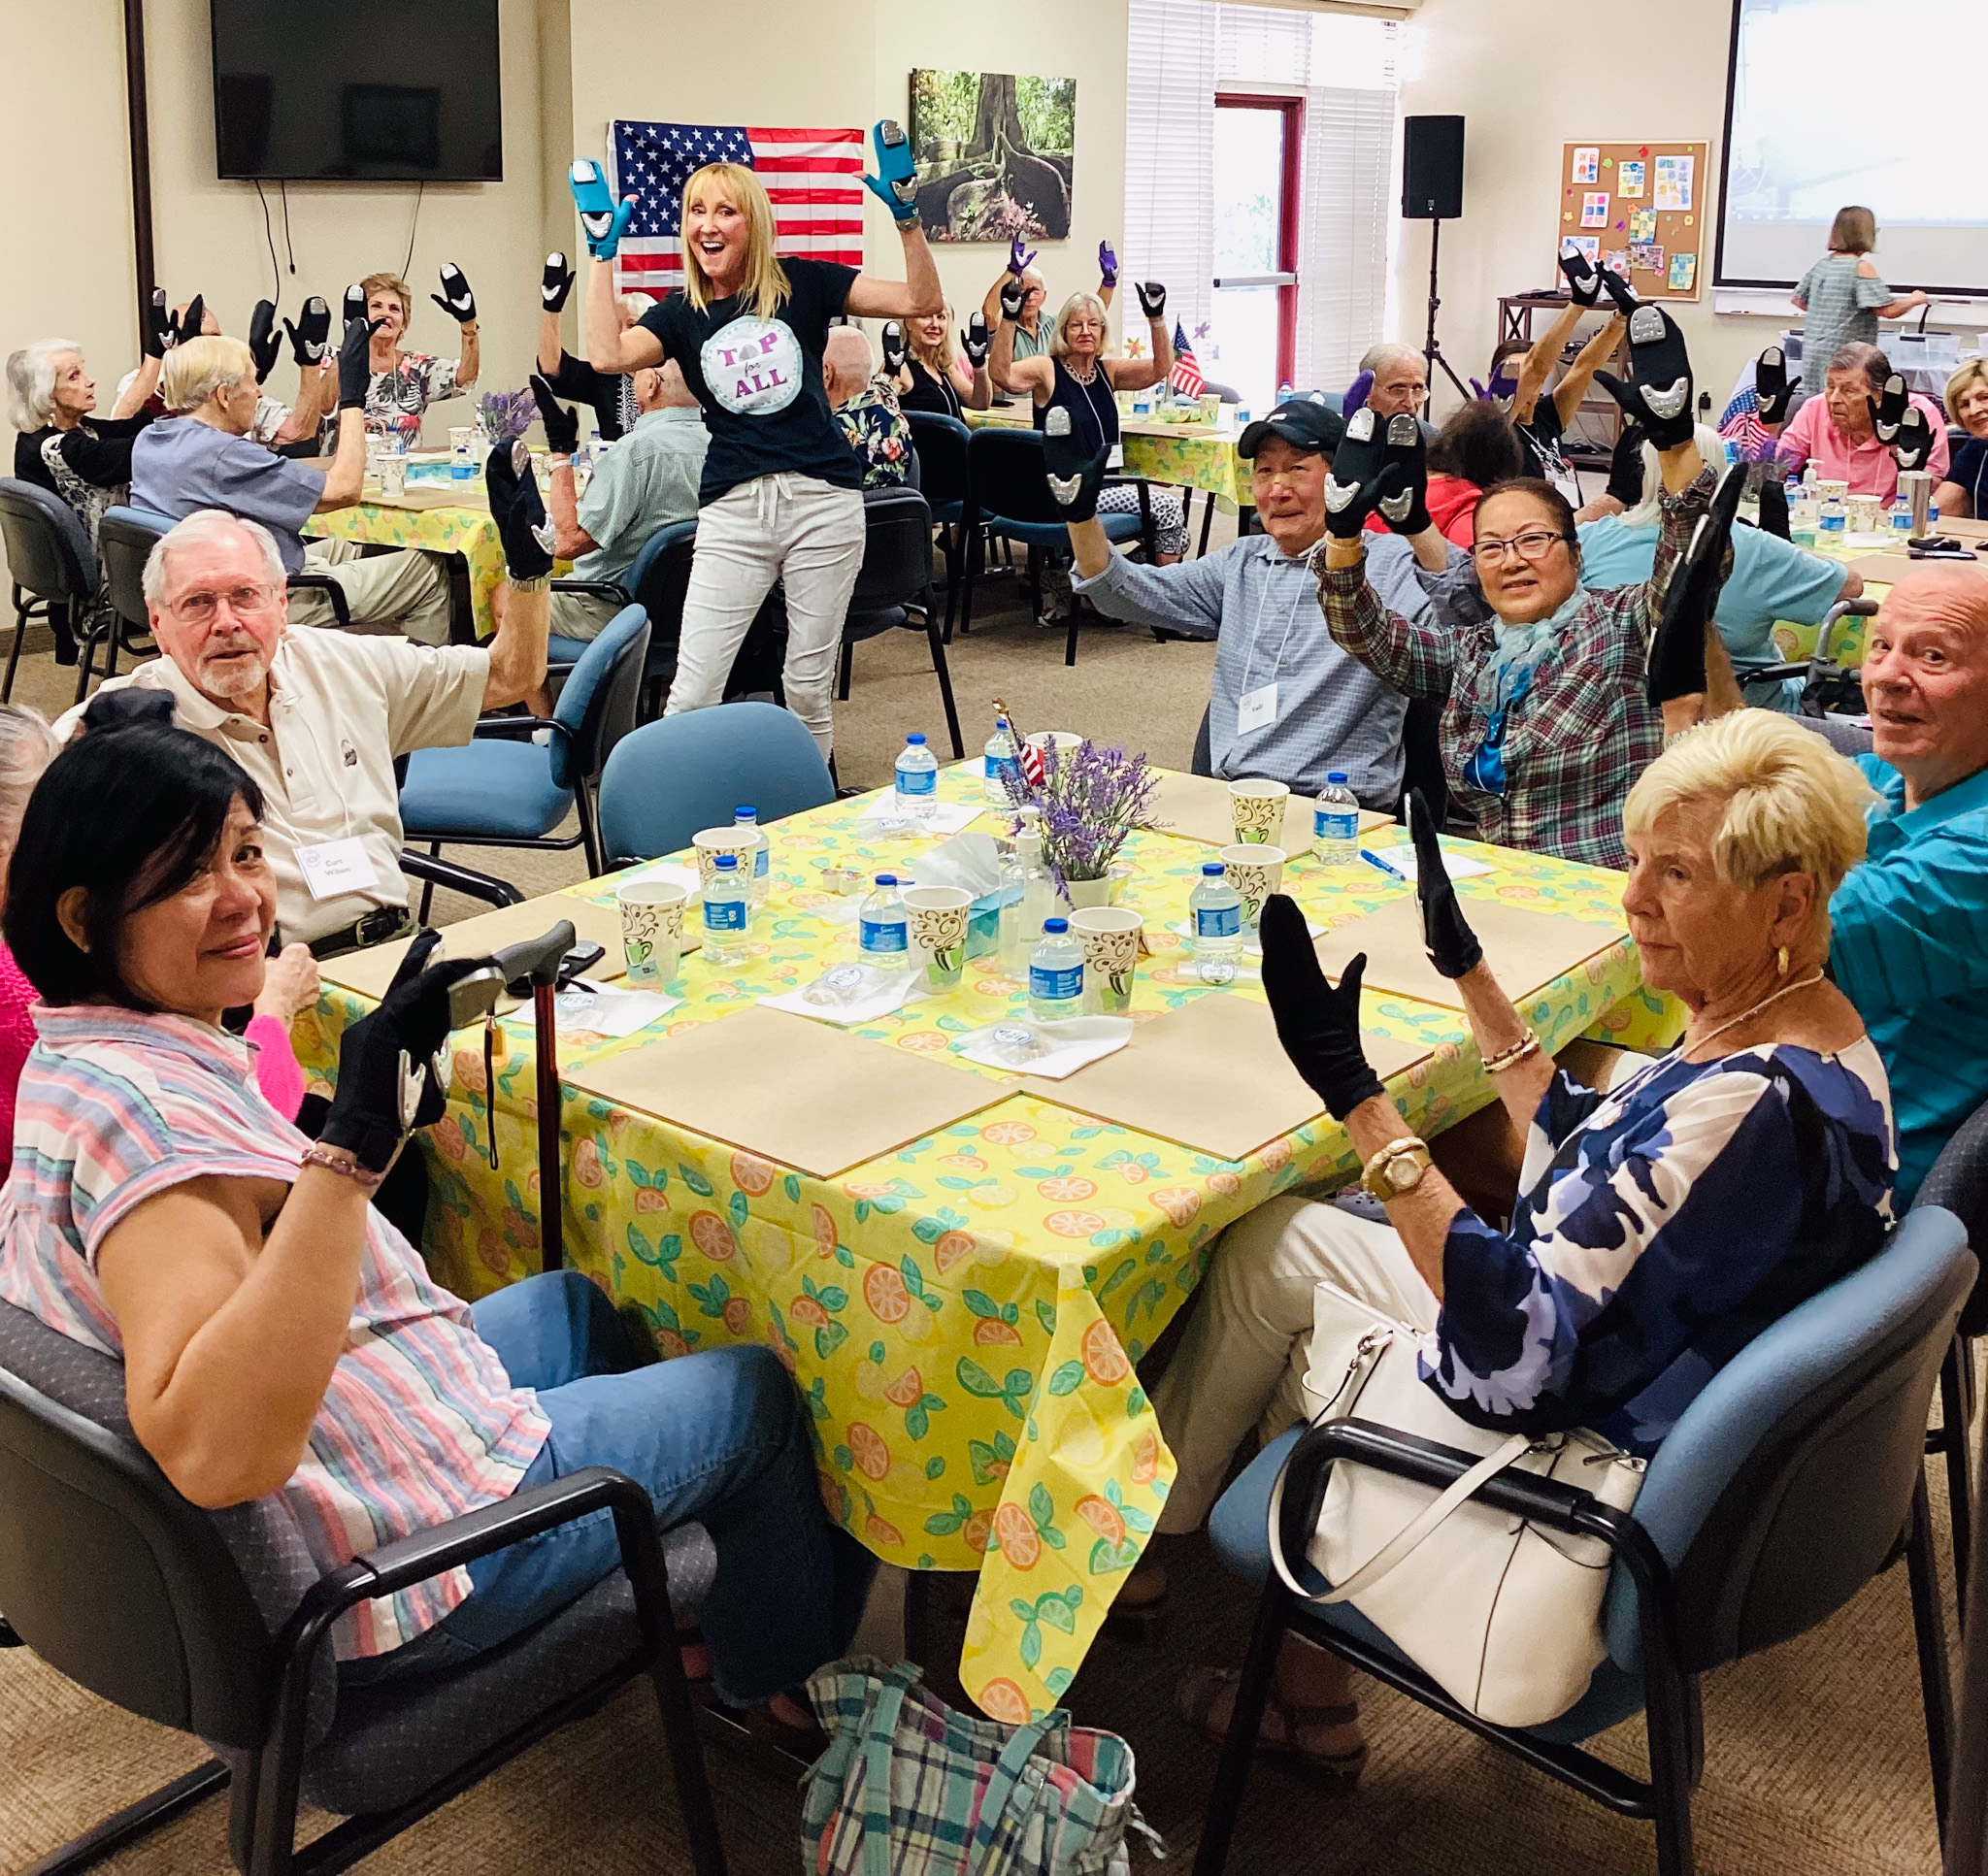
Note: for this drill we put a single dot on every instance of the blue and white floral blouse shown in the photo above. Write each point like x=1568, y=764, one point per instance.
x=1661, y=1227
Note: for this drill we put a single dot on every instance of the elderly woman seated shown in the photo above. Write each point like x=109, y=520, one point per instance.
x=1544, y=722
x=1847, y=432
x=279, y=1338
x=1661, y=1223
x=1770, y=580
x=1964, y=494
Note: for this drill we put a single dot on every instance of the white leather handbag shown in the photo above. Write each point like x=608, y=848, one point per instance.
x=1506, y=1617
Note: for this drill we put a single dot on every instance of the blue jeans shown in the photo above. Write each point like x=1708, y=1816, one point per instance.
x=719, y=1437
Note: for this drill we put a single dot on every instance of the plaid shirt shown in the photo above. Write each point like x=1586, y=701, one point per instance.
x=1582, y=732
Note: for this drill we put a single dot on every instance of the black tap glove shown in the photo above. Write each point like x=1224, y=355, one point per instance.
x=1075, y=476
x=1454, y=948
x=1772, y=385
x=264, y=346
x=520, y=511
x=1152, y=299
x=1676, y=665
x=456, y=298
x=311, y=337
x=188, y=325
x=976, y=340
x=562, y=426
x=1583, y=282
x=1319, y=1026
x=1362, y=474
x=158, y=326
x=893, y=348
x=1406, y=510
x=1658, y=393
x=556, y=284
x=355, y=364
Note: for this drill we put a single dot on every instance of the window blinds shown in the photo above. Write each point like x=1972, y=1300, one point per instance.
x=1170, y=151
x=1347, y=216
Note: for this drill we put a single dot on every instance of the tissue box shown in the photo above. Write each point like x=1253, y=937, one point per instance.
x=984, y=926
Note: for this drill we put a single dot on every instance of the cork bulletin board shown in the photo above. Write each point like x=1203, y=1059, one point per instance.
x=1643, y=209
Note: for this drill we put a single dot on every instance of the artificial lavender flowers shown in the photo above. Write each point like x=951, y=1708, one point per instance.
x=506, y=415
x=1090, y=799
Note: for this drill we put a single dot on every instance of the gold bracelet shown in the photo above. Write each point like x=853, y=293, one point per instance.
x=1510, y=1058
x=335, y=1159
x=1405, y=1144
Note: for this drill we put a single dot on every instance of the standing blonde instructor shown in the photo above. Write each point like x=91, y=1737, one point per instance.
x=782, y=496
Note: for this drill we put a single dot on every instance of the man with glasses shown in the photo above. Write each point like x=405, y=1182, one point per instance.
x=319, y=717
x=1286, y=704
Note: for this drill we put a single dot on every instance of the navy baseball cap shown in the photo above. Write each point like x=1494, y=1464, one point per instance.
x=1306, y=422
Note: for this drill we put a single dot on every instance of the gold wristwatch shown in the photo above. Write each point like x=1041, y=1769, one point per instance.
x=1396, y=1170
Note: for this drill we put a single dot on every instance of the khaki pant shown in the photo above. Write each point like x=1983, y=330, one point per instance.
x=581, y=615
x=1249, y=1343
x=404, y=592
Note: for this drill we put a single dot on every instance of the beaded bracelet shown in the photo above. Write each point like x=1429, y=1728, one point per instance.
x=1510, y=1058
x=335, y=1159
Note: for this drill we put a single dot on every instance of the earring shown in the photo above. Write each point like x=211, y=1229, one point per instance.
x=1781, y=959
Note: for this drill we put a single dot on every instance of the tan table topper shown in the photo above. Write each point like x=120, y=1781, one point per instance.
x=369, y=971
x=1197, y=809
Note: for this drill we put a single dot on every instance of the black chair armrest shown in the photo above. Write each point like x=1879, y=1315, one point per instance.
x=526, y=726
x=325, y=584
x=462, y=879
x=607, y=589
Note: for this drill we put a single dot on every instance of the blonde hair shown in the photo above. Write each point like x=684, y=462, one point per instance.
x=1059, y=341
x=1854, y=231
x=938, y=359
x=392, y=283
x=765, y=289
x=1792, y=804
x=1961, y=382
x=196, y=369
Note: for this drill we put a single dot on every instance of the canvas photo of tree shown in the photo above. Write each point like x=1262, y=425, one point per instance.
x=995, y=154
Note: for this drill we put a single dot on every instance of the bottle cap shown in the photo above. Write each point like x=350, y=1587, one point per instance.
x=1055, y=925
x=915, y=739
x=886, y=878
x=1335, y=777
x=744, y=812
x=1213, y=868
x=727, y=862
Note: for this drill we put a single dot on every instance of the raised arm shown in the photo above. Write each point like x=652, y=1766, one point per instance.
x=1574, y=387
x=143, y=383
x=603, y=220
x=556, y=284
x=457, y=301
x=562, y=436
x=518, y=647
x=895, y=184
x=1136, y=373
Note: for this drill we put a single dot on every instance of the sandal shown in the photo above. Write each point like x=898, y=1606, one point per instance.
x=1200, y=1693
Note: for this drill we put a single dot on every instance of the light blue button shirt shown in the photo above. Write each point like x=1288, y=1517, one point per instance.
x=1908, y=946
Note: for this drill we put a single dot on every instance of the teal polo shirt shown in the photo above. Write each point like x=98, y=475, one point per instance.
x=1908, y=946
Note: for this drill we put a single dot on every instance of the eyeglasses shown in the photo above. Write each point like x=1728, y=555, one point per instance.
x=1533, y=546
x=200, y=608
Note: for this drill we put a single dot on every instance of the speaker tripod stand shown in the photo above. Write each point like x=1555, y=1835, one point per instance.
x=1431, y=346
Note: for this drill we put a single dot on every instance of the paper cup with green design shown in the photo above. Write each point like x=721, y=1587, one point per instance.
x=1110, y=935
x=652, y=927
x=938, y=916
x=1255, y=872
x=1256, y=810
x=714, y=840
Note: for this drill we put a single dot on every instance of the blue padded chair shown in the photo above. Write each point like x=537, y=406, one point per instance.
x=126, y=537
x=54, y=572
x=655, y=580
x=672, y=778
x=941, y=443
x=1791, y=1481
x=504, y=790
x=1010, y=494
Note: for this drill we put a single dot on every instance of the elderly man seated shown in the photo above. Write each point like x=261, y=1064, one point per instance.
x=205, y=459
x=317, y=718
x=1840, y=431
x=1397, y=380
x=1909, y=943
x=1287, y=703
x=866, y=406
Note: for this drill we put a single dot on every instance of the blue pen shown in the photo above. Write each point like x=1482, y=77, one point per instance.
x=1393, y=873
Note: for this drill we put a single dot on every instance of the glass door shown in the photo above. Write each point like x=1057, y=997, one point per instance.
x=1252, y=338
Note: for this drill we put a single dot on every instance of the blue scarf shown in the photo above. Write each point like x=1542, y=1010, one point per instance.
x=1522, y=647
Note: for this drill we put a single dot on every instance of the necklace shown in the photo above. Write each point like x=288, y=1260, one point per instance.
x=1086, y=378
x=1772, y=997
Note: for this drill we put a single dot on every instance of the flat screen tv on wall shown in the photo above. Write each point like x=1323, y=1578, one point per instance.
x=374, y=91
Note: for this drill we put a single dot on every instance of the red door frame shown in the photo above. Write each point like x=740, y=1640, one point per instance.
x=1293, y=109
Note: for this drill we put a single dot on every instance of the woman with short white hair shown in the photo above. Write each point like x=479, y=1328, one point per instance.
x=1077, y=378
x=1660, y=1225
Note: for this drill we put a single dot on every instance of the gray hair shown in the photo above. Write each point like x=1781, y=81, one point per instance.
x=1859, y=357
x=27, y=745
x=205, y=524
x=197, y=368
x=31, y=381
x=1380, y=358
x=1650, y=511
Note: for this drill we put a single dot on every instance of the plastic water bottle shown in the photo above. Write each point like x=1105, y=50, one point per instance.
x=917, y=783
x=1056, y=974
x=883, y=928
x=999, y=761
x=1216, y=909
x=1285, y=392
x=762, y=855
x=1834, y=521
x=1027, y=896
x=1901, y=512
x=1336, y=823
x=727, y=912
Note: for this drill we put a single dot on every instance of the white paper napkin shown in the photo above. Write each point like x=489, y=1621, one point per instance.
x=1072, y=1044
x=611, y=1012
x=1401, y=862
x=947, y=817
x=888, y=995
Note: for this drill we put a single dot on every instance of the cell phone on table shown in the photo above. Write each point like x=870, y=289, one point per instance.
x=583, y=956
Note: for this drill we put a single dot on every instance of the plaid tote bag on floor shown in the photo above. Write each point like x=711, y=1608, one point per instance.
x=908, y=1786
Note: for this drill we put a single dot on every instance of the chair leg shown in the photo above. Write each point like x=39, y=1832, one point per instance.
x=1239, y=1746
x=589, y=829
x=937, y=642
x=842, y=692
x=966, y=587
x=1207, y=516
x=1929, y=1629
x=1069, y=644
x=686, y=1762
x=428, y=886
x=1953, y=1437
x=134, y=1822
x=955, y=553
x=14, y=650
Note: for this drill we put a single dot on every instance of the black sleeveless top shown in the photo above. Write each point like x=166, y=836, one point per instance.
x=930, y=391
x=1093, y=409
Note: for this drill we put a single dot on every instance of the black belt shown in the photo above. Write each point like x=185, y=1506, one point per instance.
x=381, y=926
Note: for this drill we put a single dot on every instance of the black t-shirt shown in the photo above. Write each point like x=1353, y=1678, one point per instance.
x=1970, y=468
x=931, y=391
x=759, y=381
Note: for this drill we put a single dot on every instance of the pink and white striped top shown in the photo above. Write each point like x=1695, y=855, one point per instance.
x=421, y=1422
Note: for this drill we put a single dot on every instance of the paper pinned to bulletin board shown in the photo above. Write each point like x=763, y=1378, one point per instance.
x=1648, y=203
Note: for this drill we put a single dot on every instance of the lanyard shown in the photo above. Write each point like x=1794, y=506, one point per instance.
x=1256, y=627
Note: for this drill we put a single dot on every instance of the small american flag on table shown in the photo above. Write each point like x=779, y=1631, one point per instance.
x=1187, y=378
x=814, y=178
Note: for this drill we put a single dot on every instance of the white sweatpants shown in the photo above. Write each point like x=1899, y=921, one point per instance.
x=801, y=531
x=1249, y=1343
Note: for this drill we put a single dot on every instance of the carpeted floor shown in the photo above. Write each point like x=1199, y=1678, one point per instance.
x=1816, y=1758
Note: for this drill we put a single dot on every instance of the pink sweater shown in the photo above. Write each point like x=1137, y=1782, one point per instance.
x=277, y=1072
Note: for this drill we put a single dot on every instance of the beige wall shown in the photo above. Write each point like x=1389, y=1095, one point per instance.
x=1530, y=76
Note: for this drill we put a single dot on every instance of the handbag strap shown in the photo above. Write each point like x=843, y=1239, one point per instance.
x=1399, y=1548
x=1007, y=1769
x=878, y=1747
